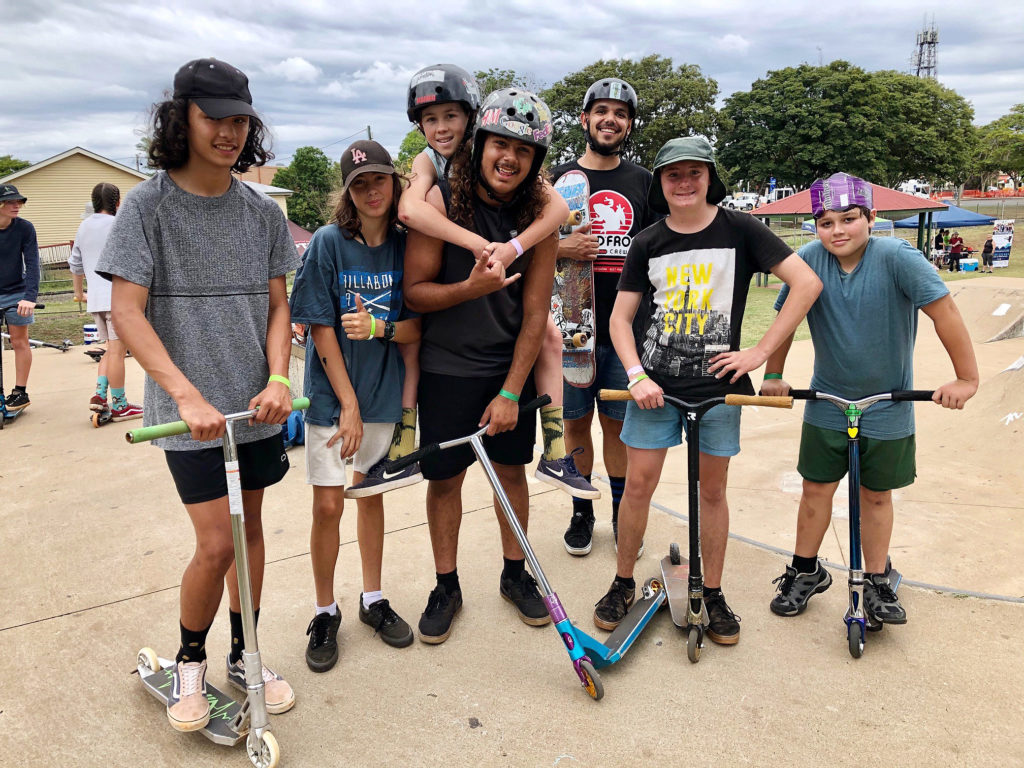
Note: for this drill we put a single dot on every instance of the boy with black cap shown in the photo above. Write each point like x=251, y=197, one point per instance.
x=689, y=275
x=19, y=286
x=873, y=287
x=198, y=263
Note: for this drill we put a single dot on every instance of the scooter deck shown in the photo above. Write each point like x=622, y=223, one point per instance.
x=677, y=586
x=623, y=636
x=223, y=708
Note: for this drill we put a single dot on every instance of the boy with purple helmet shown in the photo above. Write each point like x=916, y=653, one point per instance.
x=872, y=289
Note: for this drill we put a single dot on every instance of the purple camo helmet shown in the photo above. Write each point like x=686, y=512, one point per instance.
x=838, y=192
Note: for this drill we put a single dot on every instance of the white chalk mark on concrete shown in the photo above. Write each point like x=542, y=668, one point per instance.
x=1016, y=365
x=1009, y=418
x=1001, y=310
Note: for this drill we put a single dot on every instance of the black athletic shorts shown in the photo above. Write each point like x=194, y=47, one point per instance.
x=199, y=474
x=451, y=406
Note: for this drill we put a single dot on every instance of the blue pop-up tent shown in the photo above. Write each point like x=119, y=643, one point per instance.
x=950, y=218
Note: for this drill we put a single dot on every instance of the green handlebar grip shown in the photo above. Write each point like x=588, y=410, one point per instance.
x=145, y=434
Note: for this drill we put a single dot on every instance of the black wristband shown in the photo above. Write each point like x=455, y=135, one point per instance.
x=389, y=330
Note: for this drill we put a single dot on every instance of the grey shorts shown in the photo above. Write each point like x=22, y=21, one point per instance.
x=104, y=326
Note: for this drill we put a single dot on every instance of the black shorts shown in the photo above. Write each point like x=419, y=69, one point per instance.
x=199, y=474
x=451, y=407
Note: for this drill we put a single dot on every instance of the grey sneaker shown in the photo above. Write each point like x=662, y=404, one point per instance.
x=881, y=601
x=380, y=480
x=795, y=589
x=322, y=649
x=525, y=596
x=391, y=627
x=563, y=475
x=578, y=537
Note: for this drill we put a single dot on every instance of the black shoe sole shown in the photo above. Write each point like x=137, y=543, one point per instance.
x=323, y=666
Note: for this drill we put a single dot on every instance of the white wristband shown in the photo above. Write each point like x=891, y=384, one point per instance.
x=514, y=242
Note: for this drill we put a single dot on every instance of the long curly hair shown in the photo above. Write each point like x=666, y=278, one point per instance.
x=346, y=216
x=168, y=142
x=463, y=177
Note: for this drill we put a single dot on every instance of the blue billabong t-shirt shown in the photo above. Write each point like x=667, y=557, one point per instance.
x=863, y=327
x=336, y=268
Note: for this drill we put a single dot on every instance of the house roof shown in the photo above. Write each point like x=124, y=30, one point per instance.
x=299, y=234
x=886, y=201
x=266, y=189
x=68, y=153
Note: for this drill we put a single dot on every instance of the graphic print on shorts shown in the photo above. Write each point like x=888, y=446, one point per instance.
x=692, y=311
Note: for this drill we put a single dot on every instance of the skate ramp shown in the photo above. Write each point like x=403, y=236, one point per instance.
x=992, y=307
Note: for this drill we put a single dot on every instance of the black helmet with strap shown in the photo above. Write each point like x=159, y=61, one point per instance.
x=442, y=84
x=615, y=89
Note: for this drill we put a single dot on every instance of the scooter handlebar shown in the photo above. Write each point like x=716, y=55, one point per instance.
x=171, y=428
x=615, y=394
x=912, y=394
x=783, y=401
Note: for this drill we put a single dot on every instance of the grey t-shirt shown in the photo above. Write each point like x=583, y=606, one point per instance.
x=863, y=327
x=207, y=262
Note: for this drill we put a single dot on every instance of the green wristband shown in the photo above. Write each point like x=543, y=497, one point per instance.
x=505, y=393
x=772, y=376
x=373, y=327
x=281, y=379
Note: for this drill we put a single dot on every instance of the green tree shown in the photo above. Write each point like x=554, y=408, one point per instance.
x=495, y=78
x=311, y=176
x=412, y=145
x=801, y=123
x=9, y=164
x=672, y=101
x=1001, y=145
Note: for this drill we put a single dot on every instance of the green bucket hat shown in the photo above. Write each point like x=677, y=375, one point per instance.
x=676, y=150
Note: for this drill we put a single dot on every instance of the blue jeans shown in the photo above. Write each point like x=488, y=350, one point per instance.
x=577, y=402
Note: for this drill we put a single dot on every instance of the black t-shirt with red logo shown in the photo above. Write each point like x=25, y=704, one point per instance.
x=618, y=211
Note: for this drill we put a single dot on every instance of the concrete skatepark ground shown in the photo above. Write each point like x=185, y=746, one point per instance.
x=94, y=542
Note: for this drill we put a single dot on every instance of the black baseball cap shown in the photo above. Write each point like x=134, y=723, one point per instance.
x=10, y=192
x=363, y=156
x=217, y=88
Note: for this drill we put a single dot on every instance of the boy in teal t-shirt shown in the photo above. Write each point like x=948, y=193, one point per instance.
x=863, y=327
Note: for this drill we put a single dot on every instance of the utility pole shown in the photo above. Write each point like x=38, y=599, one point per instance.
x=369, y=135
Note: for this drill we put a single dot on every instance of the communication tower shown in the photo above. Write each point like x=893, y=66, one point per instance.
x=924, y=60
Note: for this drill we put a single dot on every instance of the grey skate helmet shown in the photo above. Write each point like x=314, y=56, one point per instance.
x=611, y=88
x=517, y=114
x=442, y=84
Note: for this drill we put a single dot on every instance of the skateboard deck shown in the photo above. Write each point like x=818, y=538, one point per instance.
x=572, y=294
x=677, y=590
x=223, y=708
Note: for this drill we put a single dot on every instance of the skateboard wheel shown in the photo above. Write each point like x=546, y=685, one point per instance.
x=592, y=683
x=579, y=339
x=148, y=659
x=265, y=752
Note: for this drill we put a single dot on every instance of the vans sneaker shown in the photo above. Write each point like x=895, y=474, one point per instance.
x=723, y=625
x=563, y=475
x=795, y=589
x=525, y=596
x=613, y=607
x=322, y=648
x=17, y=400
x=379, y=480
x=279, y=695
x=130, y=411
x=578, y=537
x=98, y=403
x=391, y=627
x=881, y=601
x=188, y=709
x=437, y=617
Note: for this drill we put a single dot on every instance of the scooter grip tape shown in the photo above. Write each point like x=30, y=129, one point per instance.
x=912, y=394
x=615, y=394
x=803, y=394
x=784, y=401
x=145, y=434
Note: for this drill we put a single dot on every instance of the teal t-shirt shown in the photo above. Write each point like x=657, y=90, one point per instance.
x=336, y=268
x=863, y=327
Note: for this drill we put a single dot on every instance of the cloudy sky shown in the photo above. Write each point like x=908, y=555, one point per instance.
x=85, y=74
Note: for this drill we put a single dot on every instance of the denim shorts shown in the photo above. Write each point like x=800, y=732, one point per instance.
x=654, y=428
x=13, y=318
x=577, y=402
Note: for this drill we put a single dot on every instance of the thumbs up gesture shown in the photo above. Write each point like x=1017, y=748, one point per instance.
x=358, y=324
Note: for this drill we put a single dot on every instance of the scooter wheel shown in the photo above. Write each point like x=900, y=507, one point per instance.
x=673, y=554
x=265, y=753
x=855, y=639
x=693, y=648
x=593, y=685
x=148, y=659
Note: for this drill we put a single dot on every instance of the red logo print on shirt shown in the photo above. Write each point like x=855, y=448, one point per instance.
x=611, y=218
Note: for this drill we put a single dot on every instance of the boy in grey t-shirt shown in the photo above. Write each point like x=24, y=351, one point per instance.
x=198, y=263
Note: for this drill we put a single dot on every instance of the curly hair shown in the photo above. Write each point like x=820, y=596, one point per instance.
x=168, y=144
x=105, y=197
x=346, y=216
x=463, y=177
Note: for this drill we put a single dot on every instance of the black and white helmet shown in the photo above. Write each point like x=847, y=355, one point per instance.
x=442, y=84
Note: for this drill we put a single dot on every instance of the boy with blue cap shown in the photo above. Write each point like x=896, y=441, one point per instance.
x=863, y=328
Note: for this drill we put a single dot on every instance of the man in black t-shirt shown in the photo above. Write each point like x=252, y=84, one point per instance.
x=482, y=330
x=618, y=212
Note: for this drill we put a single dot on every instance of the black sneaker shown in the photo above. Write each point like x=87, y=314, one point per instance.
x=615, y=535
x=795, y=589
x=379, y=479
x=391, y=627
x=17, y=400
x=436, y=621
x=881, y=601
x=562, y=474
x=723, y=624
x=525, y=596
x=322, y=649
x=578, y=538
x=613, y=607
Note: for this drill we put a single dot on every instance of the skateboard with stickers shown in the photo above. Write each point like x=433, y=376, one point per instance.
x=572, y=294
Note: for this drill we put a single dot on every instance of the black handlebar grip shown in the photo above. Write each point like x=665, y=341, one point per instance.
x=412, y=458
x=534, y=404
x=803, y=394
x=912, y=394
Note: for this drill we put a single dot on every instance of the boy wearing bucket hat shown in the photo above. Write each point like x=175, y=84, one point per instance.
x=688, y=276
x=19, y=286
x=873, y=286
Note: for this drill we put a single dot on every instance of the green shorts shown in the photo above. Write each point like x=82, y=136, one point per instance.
x=884, y=464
